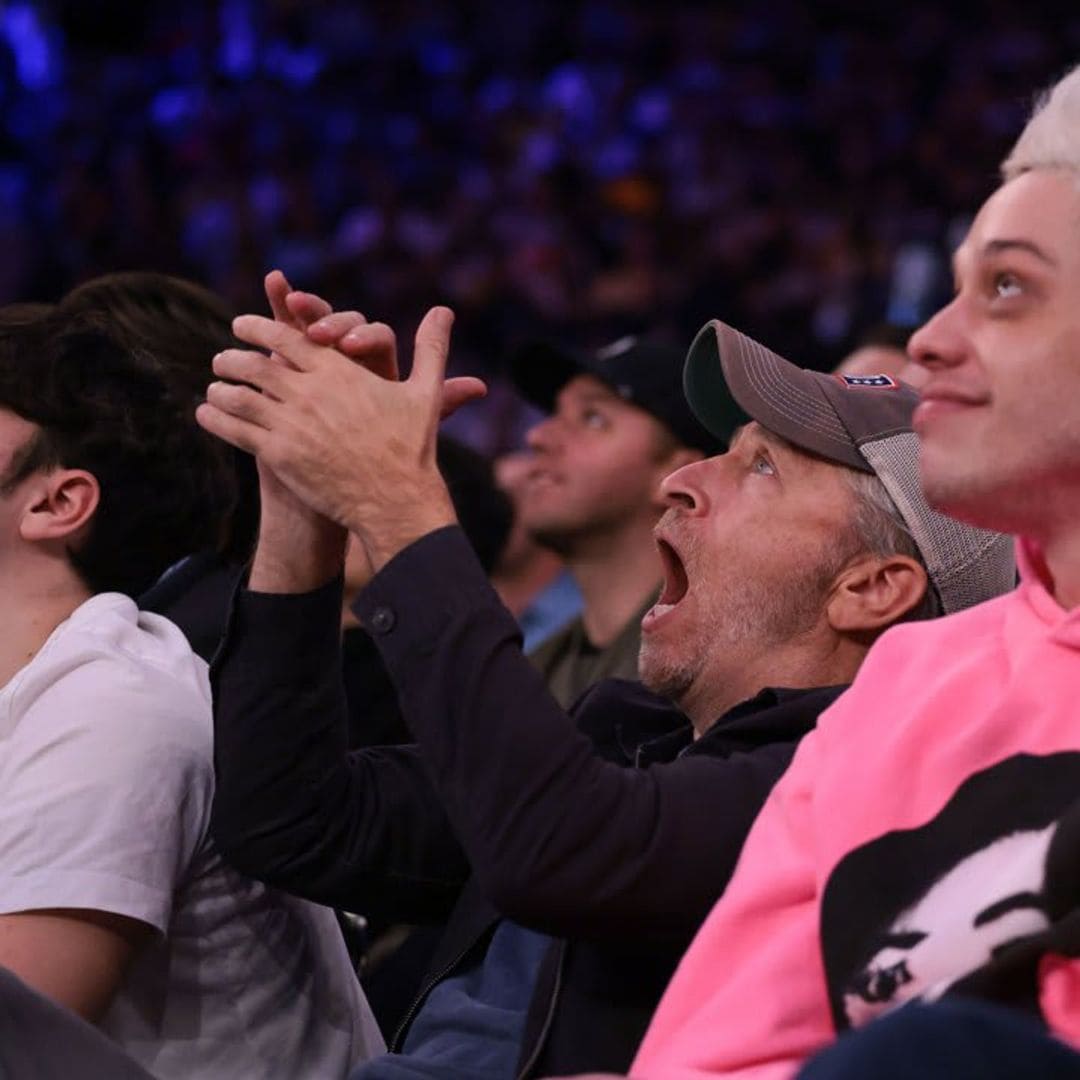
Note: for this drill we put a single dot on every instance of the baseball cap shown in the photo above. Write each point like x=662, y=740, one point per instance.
x=645, y=373
x=862, y=421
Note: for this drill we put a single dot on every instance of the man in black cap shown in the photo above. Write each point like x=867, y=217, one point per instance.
x=781, y=565
x=618, y=424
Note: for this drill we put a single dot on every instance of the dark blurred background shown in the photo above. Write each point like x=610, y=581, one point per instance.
x=575, y=171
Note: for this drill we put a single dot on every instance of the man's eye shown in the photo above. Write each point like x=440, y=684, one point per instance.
x=594, y=418
x=1006, y=285
x=763, y=466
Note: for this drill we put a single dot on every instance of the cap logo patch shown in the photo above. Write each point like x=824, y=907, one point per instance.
x=862, y=382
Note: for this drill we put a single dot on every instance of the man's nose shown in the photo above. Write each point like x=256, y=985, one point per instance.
x=942, y=340
x=685, y=488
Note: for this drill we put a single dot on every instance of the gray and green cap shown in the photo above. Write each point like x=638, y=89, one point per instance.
x=862, y=421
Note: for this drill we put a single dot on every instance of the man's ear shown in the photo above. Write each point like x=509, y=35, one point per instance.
x=60, y=503
x=872, y=593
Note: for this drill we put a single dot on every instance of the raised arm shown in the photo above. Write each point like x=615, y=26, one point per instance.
x=363, y=832
x=560, y=837
x=292, y=807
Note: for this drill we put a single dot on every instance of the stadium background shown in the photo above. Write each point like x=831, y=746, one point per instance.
x=575, y=171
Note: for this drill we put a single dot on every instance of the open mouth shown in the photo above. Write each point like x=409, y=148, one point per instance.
x=676, y=582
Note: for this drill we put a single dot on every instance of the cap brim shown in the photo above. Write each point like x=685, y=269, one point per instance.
x=730, y=378
x=540, y=371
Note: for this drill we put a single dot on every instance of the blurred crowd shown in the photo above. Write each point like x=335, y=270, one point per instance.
x=572, y=171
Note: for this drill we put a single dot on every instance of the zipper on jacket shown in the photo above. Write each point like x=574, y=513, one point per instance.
x=549, y=1019
x=395, y=1043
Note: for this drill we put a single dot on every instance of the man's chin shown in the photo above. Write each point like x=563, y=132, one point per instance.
x=555, y=536
x=662, y=676
x=969, y=498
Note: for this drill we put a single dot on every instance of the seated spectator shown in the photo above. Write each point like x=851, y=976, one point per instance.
x=924, y=843
x=783, y=559
x=113, y=901
x=618, y=424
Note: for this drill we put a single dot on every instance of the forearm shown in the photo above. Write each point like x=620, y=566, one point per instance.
x=297, y=551
x=292, y=807
x=410, y=507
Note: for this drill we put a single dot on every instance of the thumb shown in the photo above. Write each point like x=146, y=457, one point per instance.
x=460, y=391
x=432, y=349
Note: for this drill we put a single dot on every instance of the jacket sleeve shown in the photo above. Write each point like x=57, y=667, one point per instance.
x=560, y=839
x=362, y=831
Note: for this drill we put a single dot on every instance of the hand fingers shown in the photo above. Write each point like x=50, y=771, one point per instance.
x=242, y=403
x=236, y=432
x=244, y=365
x=286, y=341
x=330, y=329
x=375, y=346
x=460, y=391
x=277, y=289
x=432, y=349
x=305, y=308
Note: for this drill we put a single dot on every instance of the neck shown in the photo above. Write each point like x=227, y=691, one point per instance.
x=798, y=665
x=1061, y=552
x=519, y=584
x=35, y=605
x=616, y=575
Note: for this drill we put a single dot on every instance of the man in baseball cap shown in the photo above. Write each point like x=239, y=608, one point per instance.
x=589, y=874
x=617, y=423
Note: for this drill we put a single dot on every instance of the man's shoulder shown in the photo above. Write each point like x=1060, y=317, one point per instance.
x=116, y=669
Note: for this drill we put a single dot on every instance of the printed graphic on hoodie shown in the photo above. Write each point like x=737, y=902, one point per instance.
x=968, y=903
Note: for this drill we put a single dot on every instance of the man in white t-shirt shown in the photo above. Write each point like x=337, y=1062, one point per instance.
x=112, y=900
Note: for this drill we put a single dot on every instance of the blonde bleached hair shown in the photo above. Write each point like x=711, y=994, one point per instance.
x=1051, y=138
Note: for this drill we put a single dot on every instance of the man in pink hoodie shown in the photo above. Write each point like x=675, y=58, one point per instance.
x=924, y=846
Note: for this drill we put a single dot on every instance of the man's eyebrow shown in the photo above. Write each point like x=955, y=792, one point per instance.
x=996, y=247
x=777, y=442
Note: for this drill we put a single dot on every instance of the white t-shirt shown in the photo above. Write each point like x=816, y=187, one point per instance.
x=106, y=780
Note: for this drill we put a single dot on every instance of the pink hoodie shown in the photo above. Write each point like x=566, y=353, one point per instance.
x=916, y=841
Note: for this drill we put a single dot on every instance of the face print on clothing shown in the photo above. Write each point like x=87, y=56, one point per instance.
x=968, y=902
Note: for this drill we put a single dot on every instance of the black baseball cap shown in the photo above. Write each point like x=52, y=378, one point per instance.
x=645, y=373
x=862, y=421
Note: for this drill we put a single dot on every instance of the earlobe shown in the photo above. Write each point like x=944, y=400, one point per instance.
x=63, y=503
x=874, y=593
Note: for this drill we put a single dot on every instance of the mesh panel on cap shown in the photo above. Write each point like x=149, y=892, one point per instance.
x=967, y=565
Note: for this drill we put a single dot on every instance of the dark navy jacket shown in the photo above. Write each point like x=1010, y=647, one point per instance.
x=505, y=806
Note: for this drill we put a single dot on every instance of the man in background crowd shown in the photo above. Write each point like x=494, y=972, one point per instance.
x=618, y=425
x=113, y=901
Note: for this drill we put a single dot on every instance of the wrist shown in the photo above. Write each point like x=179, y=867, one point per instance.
x=397, y=528
x=296, y=553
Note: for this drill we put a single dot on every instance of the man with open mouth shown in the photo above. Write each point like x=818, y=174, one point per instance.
x=784, y=557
